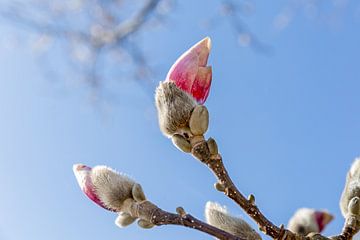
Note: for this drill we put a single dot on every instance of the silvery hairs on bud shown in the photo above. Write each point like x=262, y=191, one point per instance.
x=174, y=107
x=218, y=216
x=113, y=188
x=352, y=186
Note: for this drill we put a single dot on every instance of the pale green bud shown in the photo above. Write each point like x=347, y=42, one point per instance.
x=124, y=219
x=199, y=120
x=138, y=193
x=145, y=224
x=212, y=145
x=354, y=206
x=181, y=143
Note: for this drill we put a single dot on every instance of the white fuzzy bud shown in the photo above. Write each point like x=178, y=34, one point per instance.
x=218, y=216
x=106, y=187
x=307, y=220
x=113, y=188
x=352, y=187
x=174, y=108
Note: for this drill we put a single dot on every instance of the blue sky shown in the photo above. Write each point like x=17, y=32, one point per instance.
x=287, y=125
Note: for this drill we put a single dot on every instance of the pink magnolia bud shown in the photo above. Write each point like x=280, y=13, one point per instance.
x=106, y=187
x=190, y=72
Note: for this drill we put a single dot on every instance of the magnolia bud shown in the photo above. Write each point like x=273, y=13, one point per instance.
x=307, y=220
x=212, y=145
x=174, y=108
x=145, y=224
x=351, y=189
x=199, y=120
x=219, y=186
x=181, y=143
x=138, y=193
x=106, y=187
x=124, y=219
x=354, y=206
x=217, y=216
x=190, y=72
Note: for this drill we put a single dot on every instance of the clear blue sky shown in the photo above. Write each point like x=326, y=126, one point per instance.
x=287, y=126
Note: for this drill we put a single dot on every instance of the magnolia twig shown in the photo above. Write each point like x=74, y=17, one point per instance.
x=201, y=151
x=214, y=162
x=148, y=211
x=351, y=227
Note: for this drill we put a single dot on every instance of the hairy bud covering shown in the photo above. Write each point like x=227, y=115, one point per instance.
x=307, y=220
x=218, y=216
x=352, y=187
x=174, y=108
x=106, y=187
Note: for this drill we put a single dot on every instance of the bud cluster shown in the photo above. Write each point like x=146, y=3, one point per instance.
x=178, y=99
x=110, y=190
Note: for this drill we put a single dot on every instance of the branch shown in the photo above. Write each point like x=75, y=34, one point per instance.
x=215, y=164
x=207, y=153
x=148, y=211
x=351, y=227
x=136, y=22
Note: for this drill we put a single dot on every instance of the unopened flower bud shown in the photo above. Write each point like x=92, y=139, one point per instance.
x=190, y=72
x=199, y=120
x=352, y=187
x=218, y=216
x=106, y=187
x=307, y=220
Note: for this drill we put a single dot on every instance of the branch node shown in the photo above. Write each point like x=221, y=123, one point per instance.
x=219, y=186
x=251, y=199
x=181, y=211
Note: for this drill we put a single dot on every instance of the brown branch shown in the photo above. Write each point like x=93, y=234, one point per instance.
x=215, y=163
x=351, y=227
x=204, y=151
x=148, y=211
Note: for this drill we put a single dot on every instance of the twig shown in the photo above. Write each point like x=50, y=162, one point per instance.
x=201, y=151
x=351, y=227
x=148, y=211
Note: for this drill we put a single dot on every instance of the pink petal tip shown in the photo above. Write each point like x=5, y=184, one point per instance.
x=191, y=73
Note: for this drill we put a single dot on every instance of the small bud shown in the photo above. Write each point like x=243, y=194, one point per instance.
x=106, y=187
x=354, y=206
x=190, y=72
x=174, y=107
x=212, y=145
x=307, y=220
x=181, y=143
x=218, y=216
x=251, y=199
x=352, y=187
x=219, y=186
x=138, y=193
x=124, y=220
x=145, y=224
x=199, y=120
x=181, y=211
